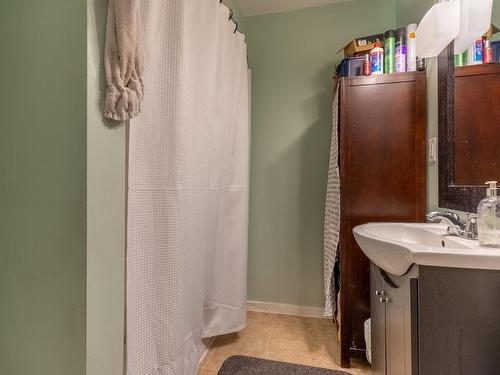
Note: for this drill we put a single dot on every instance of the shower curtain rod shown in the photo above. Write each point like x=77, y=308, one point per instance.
x=231, y=18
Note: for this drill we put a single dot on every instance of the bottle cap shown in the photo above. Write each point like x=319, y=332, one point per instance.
x=390, y=34
x=401, y=34
x=492, y=190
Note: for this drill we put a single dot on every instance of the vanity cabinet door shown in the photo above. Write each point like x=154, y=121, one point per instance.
x=393, y=307
x=398, y=325
x=377, y=285
x=459, y=321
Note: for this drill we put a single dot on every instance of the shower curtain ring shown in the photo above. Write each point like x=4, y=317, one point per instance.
x=230, y=14
x=235, y=27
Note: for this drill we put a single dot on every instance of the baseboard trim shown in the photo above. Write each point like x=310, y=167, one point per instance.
x=280, y=308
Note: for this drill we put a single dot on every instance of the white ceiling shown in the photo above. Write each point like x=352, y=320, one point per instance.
x=255, y=7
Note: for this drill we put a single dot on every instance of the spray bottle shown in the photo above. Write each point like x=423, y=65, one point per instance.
x=401, y=50
x=390, y=51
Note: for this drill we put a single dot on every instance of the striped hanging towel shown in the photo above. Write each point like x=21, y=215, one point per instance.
x=332, y=216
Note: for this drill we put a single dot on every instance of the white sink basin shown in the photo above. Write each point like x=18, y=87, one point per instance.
x=394, y=247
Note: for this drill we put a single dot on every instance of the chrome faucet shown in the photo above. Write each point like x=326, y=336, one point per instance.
x=467, y=230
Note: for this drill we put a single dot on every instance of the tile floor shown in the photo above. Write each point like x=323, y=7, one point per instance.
x=308, y=341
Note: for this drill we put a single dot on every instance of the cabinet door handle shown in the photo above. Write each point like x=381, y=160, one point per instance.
x=384, y=299
x=380, y=293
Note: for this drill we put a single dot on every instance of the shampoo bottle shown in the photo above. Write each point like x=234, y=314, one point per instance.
x=475, y=53
x=377, y=59
x=488, y=220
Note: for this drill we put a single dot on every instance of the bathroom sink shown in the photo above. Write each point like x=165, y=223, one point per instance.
x=395, y=247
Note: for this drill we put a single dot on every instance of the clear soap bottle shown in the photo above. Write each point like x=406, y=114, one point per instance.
x=488, y=221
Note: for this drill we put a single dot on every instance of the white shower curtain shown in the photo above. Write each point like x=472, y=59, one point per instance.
x=188, y=188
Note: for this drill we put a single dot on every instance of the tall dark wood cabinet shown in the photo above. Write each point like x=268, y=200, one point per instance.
x=382, y=135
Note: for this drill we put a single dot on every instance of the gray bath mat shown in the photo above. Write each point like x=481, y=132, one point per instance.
x=241, y=365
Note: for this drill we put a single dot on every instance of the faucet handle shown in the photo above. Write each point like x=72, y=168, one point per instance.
x=429, y=216
x=452, y=216
x=455, y=216
x=470, y=230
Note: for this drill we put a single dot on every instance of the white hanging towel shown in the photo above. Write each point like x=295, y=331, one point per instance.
x=332, y=216
x=123, y=60
x=188, y=188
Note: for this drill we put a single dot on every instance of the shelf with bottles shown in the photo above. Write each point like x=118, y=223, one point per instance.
x=480, y=69
x=484, y=50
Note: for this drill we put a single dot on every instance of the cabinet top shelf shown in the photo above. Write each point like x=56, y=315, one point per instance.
x=383, y=78
x=473, y=70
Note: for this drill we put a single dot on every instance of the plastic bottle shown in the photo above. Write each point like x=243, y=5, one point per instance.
x=390, y=51
x=475, y=53
x=411, y=47
x=488, y=217
x=487, y=51
x=401, y=50
x=460, y=59
x=377, y=59
x=367, y=69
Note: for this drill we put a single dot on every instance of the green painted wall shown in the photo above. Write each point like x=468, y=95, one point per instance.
x=411, y=11
x=42, y=187
x=292, y=55
x=237, y=15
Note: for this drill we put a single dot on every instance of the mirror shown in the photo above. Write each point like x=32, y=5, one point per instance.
x=469, y=122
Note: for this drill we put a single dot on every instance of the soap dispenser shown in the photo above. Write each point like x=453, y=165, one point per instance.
x=488, y=221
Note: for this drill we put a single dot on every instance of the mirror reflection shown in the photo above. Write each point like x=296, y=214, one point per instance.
x=469, y=114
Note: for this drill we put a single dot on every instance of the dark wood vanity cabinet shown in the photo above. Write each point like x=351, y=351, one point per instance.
x=382, y=137
x=458, y=321
x=435, y=321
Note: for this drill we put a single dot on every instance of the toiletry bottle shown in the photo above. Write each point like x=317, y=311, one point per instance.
x=487, y=51
x=460, y=59
x=390, y=51
x=475, y=53
x=401, y=50
x=411, y=47
x=488, y=217
x=367, y=69
x=377, y=59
